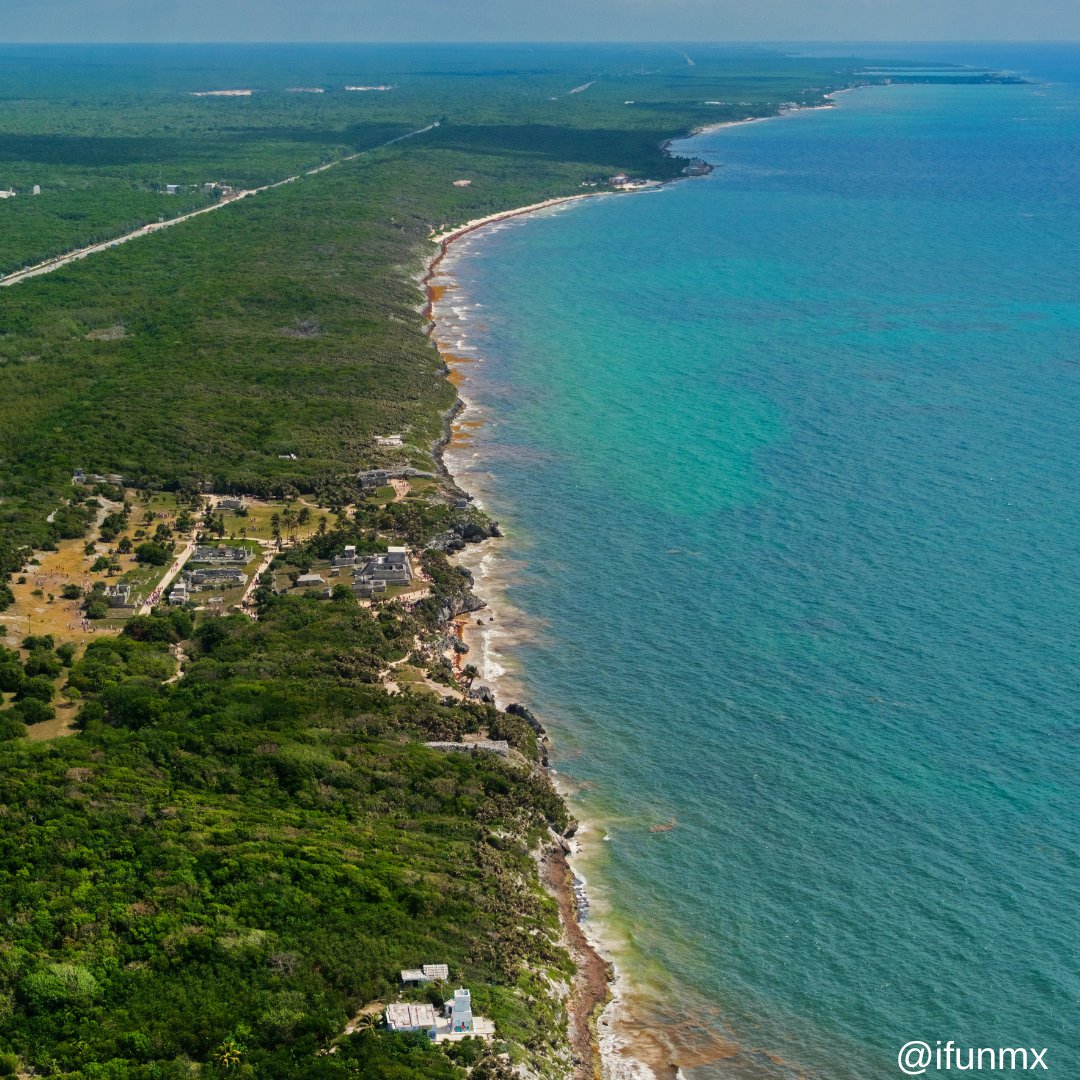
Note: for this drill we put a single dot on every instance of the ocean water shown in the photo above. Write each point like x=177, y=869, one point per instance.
x=789, y=460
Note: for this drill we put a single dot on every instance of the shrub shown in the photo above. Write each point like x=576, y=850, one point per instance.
x=12, y=726
x=57, y=985
x=32, y=711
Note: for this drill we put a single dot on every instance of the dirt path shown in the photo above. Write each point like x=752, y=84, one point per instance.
x=179, y=656
x=49, y=265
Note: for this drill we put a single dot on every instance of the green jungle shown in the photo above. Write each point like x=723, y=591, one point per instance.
x=243, y=840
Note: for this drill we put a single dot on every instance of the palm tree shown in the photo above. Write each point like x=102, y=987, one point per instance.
x=228, y=1054
x=288, y=519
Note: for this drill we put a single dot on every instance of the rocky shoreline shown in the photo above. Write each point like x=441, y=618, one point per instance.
x=590, y=988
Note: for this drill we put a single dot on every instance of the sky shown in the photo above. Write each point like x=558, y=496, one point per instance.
x=547, y=20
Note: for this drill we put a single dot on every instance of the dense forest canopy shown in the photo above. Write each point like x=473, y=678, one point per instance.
x=245, y=840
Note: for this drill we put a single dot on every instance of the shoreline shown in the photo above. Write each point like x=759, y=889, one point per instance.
x=597, y=1001
x=596, y=1008
x=592, y=986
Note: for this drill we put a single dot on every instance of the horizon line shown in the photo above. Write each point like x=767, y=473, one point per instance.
x=562, y=41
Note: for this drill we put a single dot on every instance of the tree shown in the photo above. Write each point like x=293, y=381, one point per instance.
x=97, y=609
x=11, y=674
x=153, y=554
x=43, y=662
x=12, y=726
x=229, y=1054
x=71, y=591
x=38, y=688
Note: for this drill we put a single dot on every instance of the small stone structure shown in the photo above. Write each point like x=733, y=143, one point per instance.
x=493, y=746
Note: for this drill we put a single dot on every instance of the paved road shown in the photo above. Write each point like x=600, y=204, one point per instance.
x=49, y=265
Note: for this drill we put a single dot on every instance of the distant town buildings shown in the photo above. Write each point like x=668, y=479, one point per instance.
x=375, y=572
x=373, y=478
x=118, y=595
x=221, y=554
x=215, y=575
x=347, y=558
x=376, y=478
x=80, y=477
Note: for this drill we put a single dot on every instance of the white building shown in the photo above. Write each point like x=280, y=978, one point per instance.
x=459, y=1011
x=405, y=1016
x=456, y=1022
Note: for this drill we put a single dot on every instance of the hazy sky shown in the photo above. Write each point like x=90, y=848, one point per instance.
x=538, y=20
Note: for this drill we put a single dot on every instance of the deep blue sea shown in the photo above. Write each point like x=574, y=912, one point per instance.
x=789, y=459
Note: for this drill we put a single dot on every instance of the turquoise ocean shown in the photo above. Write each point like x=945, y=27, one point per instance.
x=789, y=462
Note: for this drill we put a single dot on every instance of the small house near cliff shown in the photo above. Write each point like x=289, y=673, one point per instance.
x=425, y=974
x=405, y=1016
x=454, y=1023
